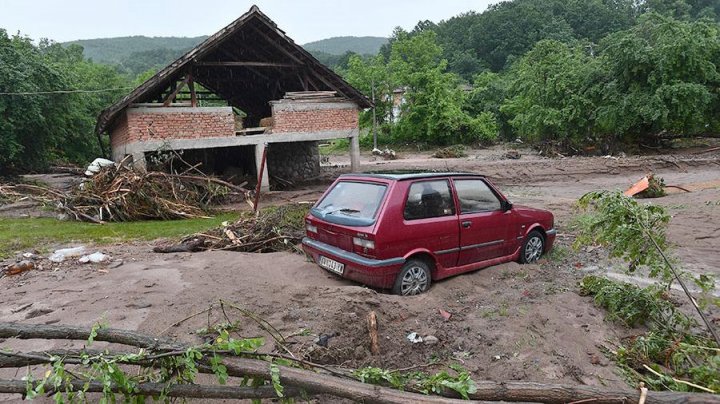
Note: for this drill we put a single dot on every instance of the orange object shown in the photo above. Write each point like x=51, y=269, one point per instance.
x=19, y=267
x=638, y=187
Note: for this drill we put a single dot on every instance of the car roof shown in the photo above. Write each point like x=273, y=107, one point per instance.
x=401, y=175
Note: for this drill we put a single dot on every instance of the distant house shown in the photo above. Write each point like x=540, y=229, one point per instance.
x=272, y=93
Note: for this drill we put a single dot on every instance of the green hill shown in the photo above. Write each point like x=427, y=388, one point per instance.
x=364, y=45
x=118, y=50
x=136, y=54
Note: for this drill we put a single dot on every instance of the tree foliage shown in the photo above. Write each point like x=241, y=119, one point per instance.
x=38, y=128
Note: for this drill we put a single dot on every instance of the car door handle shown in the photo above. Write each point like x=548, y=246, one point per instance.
x=466, y=224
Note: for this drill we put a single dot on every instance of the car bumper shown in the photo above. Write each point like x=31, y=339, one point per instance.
x=368, y=271
x=550, y=239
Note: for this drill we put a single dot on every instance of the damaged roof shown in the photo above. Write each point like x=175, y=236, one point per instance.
x=248, y=63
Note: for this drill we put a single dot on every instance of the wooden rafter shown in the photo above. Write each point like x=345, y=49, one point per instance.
x=246, y=64
x=169, y=99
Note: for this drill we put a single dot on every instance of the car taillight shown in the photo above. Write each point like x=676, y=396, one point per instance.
x=364, y=243
x=311, y=228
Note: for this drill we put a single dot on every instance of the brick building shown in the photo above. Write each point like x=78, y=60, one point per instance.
x=246, y=88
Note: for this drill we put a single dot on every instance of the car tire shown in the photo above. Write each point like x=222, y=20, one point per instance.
x=413, y=279
x=532, y=248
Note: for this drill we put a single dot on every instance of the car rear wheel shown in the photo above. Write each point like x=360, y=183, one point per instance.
x=413, y=279
x=532, y=248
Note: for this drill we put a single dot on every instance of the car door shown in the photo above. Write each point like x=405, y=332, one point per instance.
x=430, y=220
x=485, y=227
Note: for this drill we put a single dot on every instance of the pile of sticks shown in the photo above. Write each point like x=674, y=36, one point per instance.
x=122, y=194
x=273, y=229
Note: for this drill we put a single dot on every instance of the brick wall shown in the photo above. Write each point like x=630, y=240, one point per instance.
x=143, y=124
x=119, y=133
x=313, y=117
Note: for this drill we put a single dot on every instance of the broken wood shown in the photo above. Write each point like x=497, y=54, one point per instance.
x=190, y=246
x=712, y=149
x=313, y=383
x=373, y=330
x=156, y=389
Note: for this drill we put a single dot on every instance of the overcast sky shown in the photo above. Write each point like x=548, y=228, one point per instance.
x=303, y=20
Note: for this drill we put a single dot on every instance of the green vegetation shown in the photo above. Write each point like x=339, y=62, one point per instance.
x=672, y=354
x=666, y=357
x=19, y=234
x=460, y=382
x=581, y=76
x=362, y=45
x=36, y=129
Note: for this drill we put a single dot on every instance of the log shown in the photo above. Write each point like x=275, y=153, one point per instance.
x=112, y=335
x=486, y=390
x=313, y=384
x=154, y=390
x=316, y=383
x=373, y=330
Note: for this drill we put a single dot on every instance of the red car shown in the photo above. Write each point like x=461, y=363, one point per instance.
x=403, y=231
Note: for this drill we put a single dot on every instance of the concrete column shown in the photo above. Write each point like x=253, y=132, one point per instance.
x=355, y=153
x=265, y=184
x=139, y=162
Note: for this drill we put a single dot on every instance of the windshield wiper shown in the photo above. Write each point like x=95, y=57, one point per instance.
x=342, y=210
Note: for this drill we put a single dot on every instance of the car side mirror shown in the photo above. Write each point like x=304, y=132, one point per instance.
x=506, y=205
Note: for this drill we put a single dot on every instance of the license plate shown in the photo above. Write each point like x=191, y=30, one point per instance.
x=331, y=265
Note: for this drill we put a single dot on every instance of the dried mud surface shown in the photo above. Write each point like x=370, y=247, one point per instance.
x=508, y=322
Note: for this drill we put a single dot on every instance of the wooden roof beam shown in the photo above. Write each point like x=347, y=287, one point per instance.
x=247, y=64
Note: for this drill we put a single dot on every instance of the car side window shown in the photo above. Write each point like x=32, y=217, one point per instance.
x=476, y=196
x=428, y=199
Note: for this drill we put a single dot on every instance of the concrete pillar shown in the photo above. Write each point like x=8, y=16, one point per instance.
x=355, y=153
x=139, y=162
x=265, y=184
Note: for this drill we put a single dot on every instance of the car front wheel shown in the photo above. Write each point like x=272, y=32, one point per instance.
x=414, y=278
x=532, y=248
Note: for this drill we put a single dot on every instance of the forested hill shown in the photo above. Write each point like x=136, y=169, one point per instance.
x=137, y=54
x=363, y=45
x=118, y=50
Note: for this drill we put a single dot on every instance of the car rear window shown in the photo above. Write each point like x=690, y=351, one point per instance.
x=351, y=203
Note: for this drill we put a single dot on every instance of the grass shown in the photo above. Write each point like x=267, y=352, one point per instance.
x=39, y=233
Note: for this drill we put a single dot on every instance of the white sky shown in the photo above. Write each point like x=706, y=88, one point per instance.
x=303, y=20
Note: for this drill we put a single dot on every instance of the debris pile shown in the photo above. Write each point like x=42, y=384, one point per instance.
x=118, y=193
x=387, y=154
x=451, y=152
x=649, y=186
x=275, y=228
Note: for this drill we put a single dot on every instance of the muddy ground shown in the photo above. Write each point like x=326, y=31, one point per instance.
x=508, y=322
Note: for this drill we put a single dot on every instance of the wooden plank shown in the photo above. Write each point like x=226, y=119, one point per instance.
x=257, y=129
x=193, y=96
x=158, y=105
x=246, y=64
x=172, y=95
x=277, y=46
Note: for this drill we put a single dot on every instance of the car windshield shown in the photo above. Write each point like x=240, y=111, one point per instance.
x=349, y=200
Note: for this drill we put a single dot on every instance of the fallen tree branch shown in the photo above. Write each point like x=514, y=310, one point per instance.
x=155, y=389
x=316, y=383
x=112, y=335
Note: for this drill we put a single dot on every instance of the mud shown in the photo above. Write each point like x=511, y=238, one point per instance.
x=508, y=322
